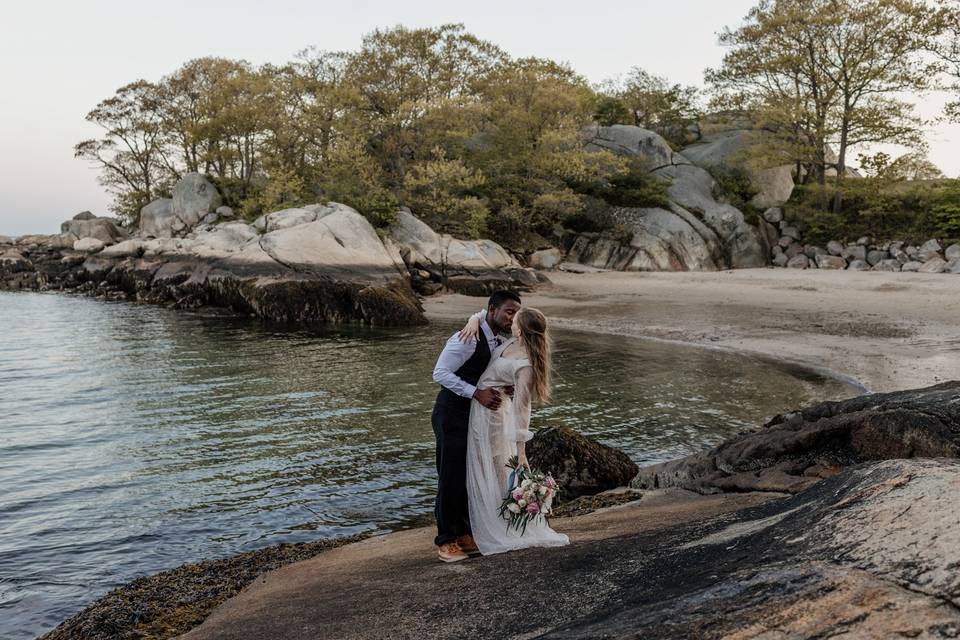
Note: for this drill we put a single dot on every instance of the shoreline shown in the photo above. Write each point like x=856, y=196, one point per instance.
x=878, y=331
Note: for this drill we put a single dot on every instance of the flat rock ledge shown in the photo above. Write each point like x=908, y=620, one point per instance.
x=870, y=553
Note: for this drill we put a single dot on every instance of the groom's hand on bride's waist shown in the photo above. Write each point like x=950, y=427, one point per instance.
x=490, y=398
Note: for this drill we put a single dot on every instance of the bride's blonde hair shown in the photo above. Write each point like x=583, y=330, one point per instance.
x=539, y=346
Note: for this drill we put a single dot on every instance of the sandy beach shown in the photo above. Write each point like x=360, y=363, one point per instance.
x=884, y=331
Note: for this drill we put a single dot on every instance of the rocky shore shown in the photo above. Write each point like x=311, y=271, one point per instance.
x=317, y=263
x=866, y=549
x=832, y=519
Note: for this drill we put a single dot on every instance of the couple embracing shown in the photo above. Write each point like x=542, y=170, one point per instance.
x=491, y=372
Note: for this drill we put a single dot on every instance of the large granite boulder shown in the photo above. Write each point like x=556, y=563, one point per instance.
x=870, y=553
x=470, y=267
x=157, y=218
x=194, y=197
x=725, y=239
x=333, y=269
x=795, y=450
x=103, y=229
x=662, y=241
x=581, y=465
x=88, y=245
x=222, y=239
x=630, y=141
x=341, y=244
x=731, y=147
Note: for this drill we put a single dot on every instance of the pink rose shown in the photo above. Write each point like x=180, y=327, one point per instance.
x=533, y=508
x=551, y=482
x=518, y=494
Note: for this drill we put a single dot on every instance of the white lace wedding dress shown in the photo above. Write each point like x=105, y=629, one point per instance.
x=493, y=439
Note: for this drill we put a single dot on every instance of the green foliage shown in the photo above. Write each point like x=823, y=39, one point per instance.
x=945, y=214
x=826, y=75
x=633, y=186
x=611, y=110
x=911, y=211
x=734, y=186
x=595, y=216
x=443, y=192
x=435, y=119
x=651, y=102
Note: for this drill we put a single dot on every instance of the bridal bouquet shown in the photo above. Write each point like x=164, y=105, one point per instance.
x=529, y=496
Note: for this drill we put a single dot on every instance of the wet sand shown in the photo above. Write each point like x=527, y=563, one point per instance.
x=885, y=331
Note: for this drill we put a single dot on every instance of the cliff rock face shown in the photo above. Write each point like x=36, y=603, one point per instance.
x=695, y=232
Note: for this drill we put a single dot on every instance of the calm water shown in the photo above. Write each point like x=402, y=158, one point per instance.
x=134, y=439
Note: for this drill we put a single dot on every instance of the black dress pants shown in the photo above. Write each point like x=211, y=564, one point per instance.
x=451, y=419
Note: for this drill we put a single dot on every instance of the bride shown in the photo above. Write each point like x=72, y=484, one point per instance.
x=524, y=363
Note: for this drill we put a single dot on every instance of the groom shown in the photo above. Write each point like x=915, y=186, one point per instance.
x=458, y=370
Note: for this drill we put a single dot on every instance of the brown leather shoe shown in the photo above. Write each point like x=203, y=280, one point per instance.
x=451, y=552
x=467, y=545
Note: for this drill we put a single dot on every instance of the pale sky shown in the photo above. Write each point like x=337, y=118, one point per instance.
x=59, y=59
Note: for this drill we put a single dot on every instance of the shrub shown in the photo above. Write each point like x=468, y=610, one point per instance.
x=912, y=211
x=634, y=186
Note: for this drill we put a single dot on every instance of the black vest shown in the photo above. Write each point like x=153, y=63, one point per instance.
x=470, y=371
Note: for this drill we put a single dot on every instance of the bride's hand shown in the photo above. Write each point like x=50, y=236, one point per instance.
x=470, y=331
x=523, y=462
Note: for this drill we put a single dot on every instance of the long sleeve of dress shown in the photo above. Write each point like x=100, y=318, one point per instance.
x=521, y=405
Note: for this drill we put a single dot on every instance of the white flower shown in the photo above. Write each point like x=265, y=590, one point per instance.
x=542, y=490
x=513, y=507
x=521, y=503
x=526, y=483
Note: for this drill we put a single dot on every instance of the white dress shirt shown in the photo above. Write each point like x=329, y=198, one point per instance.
x=455, y=353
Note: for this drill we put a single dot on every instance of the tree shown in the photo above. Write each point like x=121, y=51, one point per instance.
x=652, y=102
x=404, y=77
x=948, y=51
x=830, y=72
x=909, y=166
x=533, y=111
x=129, y=153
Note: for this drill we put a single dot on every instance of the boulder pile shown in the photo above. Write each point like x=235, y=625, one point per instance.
x=789, y=250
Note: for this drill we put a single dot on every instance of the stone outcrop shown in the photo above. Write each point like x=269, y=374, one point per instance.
x=437, y=261
x=795, y=450
x=695, y=232
x=194, y=198
x=83, y=226
x=729, y=143
x=581, y=465
x=869, y=553
x=332, y=270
